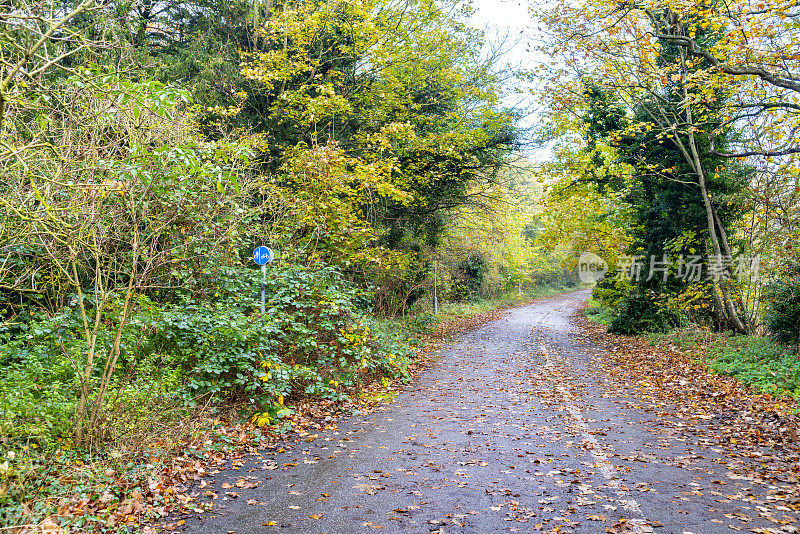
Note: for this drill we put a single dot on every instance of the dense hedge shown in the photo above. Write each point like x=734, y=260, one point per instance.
x=316, y=339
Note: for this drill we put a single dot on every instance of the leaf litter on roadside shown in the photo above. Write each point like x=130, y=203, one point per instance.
x=758, y=434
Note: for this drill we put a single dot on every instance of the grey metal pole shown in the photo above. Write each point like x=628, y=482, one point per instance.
x=263, y=286
x=435, y=293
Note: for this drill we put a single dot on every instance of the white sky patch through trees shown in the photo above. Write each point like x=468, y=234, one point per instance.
x=510, y=34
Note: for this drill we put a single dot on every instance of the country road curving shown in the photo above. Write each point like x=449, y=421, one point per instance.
x=515, y=429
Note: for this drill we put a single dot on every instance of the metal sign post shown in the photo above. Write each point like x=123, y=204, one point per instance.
x=435, y=293
x=262, y=256
x=263, y=286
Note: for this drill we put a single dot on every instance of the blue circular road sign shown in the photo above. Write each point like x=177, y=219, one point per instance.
x=263, y=255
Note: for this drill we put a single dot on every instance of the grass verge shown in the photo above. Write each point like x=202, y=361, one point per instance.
x=482, y=305
x=597, y=313
x=759, y=362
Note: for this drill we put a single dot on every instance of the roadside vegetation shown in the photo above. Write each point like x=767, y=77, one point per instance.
x=147, y=148
x=763, y=364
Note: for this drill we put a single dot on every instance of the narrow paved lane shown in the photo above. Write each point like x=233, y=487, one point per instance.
x=514, y=430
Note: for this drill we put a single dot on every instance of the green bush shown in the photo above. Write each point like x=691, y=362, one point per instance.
x=610, y=291
x=315, y=340
x=758, y=362
x=631, y=310
x=640, y=312
x=470, y=274
x=782, y=315
x=42, y=359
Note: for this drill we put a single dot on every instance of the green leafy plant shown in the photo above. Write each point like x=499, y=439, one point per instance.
x=782, y=313
x=758, y=362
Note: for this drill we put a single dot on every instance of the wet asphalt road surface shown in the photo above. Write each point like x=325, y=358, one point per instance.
x=513, y=430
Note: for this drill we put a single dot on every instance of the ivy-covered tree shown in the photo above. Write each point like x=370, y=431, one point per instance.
x=653, y=108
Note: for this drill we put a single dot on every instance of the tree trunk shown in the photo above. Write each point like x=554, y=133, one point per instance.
x=720, y=249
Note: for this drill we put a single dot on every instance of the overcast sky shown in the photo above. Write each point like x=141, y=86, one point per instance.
x=509, y=22
x=502, y=14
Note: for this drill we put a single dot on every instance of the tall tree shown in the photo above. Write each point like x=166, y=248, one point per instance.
x=755, y=48
x=657, y=83
x=400, y=89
